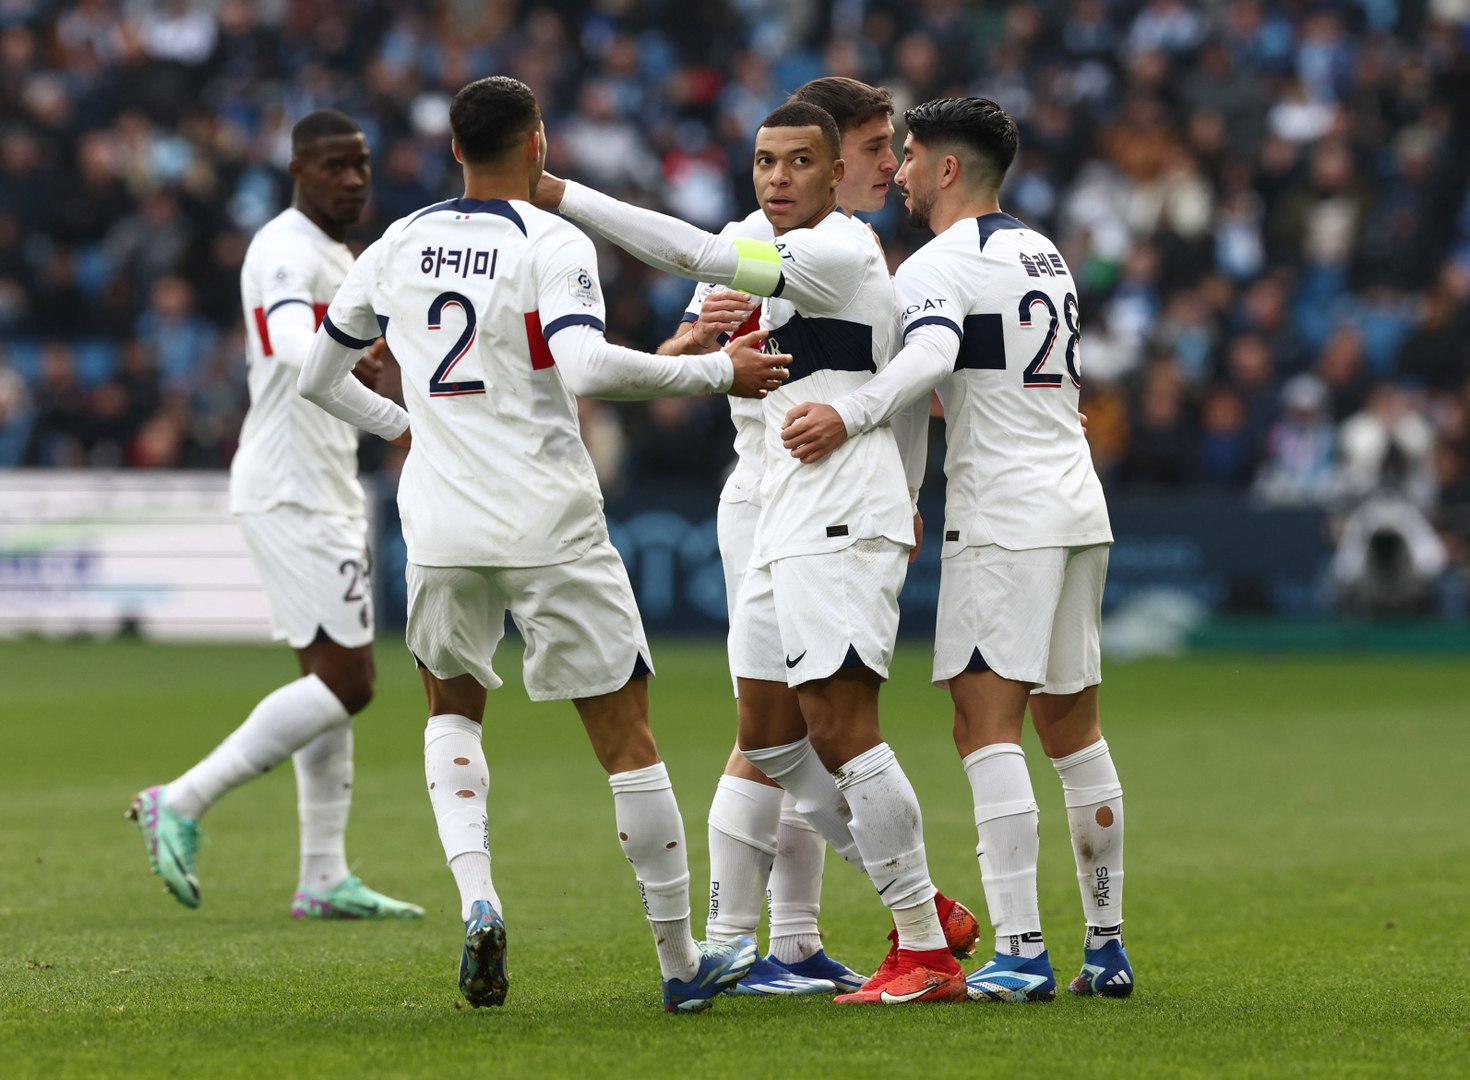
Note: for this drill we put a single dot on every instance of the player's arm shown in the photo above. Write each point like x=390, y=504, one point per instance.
x=592, y=366
x=349, y=328
x=801, y=266
x=931, y=343
x=571, y=307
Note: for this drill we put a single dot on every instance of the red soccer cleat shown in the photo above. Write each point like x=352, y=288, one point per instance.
x=961, y=929
x=915, y=977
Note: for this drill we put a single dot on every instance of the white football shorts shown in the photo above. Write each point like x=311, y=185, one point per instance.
x=1033, y=616
x=736, y=530
x=315, y=568
x=583, y=634
x=805, y=616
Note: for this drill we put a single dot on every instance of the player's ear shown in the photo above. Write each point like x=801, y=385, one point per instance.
x=457, y=155
x=839, y=170
x=951, y=171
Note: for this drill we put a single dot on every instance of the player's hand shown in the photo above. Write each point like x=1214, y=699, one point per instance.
x=812, y=432
x=1083, y=417
x=369, y=367
x=918, y=536
x=757, y=373
x=548, y=192
x=723, y=312
x=404, y=441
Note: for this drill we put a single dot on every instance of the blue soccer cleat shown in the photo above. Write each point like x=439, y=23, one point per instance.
x=1013, y=978
x=821, y=966
x=1105, y=971
x=719, y=966
x=770, y=976
x=483, y=979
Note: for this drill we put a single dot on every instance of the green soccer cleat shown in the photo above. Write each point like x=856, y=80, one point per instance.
x=351, y=899
x=172, y=843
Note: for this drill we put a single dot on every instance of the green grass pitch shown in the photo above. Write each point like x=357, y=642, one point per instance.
x=1298, y=862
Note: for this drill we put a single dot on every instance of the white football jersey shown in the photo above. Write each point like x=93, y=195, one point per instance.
x=833, y=312
x=1018, y=469
x=290, y=451
x=744, y=482
x=467, y=293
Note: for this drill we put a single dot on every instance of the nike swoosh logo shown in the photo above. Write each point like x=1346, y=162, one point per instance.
x=899, y=999
x=887, y=887
x=790, y=663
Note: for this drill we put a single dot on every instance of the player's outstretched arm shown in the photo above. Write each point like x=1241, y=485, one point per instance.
x=812, y=431
x=664, y=242
x=591, y=366
x=326, y=380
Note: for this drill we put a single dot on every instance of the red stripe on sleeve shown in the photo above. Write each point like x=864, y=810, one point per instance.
x=320, y=311
x=263, y=331
x=541, y=357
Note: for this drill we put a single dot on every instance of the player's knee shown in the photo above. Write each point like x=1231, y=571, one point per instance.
x=352, y=686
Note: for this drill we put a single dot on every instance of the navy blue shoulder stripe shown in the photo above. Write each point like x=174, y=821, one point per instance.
x=990, y=224
x=571, y=320
x=283, y=303
x=499, y=207
x=934, y=320
x=341, y=337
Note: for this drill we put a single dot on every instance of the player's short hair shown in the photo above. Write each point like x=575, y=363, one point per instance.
x=975, y=124
x=805, y=114
x=490, y=116
x=320, y=125
x=850, y=103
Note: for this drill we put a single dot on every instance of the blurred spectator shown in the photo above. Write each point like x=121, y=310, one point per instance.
x=15, y=417
x=1300, y=464
x=1245, y=192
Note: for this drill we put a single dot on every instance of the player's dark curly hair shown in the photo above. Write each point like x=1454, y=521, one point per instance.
x=805, y=114
x=971, y=123
x=850, y=102
x=490, y=116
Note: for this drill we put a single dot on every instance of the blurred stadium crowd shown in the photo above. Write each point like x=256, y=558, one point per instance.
x=1267, y=204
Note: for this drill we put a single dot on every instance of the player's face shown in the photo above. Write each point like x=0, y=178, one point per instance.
x=867, y=153
x=919, y=179
x=332, y=177
x=795, y=175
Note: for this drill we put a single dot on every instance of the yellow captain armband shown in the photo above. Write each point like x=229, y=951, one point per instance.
x=759, y=270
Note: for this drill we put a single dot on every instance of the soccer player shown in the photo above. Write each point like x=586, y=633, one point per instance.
x=989, y=310
x=755, y=834
x=294, y=489
x=818, y=607
x=493, y=310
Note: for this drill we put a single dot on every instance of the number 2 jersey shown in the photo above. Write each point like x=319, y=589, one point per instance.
x=1018, y=469
x=467, y=293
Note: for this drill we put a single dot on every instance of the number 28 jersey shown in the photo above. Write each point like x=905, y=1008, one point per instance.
x=1018, y=469
x=467, y=292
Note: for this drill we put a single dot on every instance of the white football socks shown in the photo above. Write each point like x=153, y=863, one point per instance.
x=652, y=834
x=1094, y=800
x=284, y=721
x=796, y=887
x=888, y=827
x=796, y=767
x=743, y=818
x=1006, y=819
x=459, y=784
x=323, y=799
